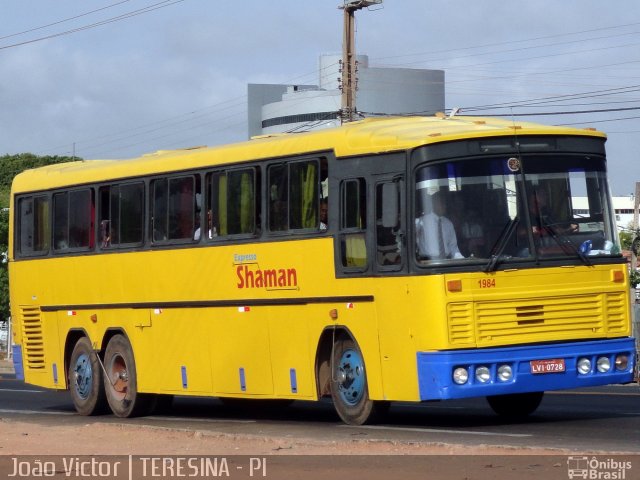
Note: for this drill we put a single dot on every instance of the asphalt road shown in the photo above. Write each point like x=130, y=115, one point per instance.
x=604, y=419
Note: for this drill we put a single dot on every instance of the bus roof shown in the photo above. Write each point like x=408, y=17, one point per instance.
x=372, y=135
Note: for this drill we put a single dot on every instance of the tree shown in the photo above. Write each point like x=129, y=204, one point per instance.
x=626, y=237
x=10, y=166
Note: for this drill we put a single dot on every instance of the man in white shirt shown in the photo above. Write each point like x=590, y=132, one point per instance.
x=435, y=235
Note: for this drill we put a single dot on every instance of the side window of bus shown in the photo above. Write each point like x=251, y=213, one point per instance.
x=121, y=215
x=232, y=203
x=34, y=229
x=73, y=220
x=294, y=195
x=353, y=223
x=173, y=208
x=388, y=229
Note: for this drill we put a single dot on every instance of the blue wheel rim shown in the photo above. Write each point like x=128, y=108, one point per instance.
x=351, y=373
x=83, y=376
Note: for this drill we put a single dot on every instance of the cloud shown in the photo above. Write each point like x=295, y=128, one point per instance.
x=178, y=76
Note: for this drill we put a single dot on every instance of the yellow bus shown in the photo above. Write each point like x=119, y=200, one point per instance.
x=404, y=259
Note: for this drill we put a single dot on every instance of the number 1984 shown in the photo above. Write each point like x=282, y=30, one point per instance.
x=487, y=283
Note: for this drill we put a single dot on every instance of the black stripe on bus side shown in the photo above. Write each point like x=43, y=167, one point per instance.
x=255, y=302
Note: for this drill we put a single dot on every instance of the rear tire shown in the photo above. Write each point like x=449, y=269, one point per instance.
x=515, y=405
x=120, y=383
x=349, y=387
x=85, y=379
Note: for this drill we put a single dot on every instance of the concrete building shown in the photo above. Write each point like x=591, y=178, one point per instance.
x=381, y=91
x=623, y=207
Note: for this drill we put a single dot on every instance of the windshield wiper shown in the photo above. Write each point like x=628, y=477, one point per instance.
x=564, y=241
x=501, y=244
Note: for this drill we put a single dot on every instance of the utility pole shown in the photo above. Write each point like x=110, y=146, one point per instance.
x=636, y=202
x=348, y=69
x=635, y=316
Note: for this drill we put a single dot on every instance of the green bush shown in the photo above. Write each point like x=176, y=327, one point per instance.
x=10, y=166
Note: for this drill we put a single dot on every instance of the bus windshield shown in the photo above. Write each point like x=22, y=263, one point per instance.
x=508, y=208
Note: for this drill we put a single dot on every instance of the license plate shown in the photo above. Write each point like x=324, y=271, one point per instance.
x=555, y=365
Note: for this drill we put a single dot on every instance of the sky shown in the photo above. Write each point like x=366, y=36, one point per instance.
x=116, y=79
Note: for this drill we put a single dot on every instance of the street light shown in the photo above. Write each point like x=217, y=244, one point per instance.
x=358, y=4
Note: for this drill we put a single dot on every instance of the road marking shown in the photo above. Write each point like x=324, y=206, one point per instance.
x=35, y=412
x=436, y=430
x=20, y=390
x=620, y=394
x=209, y=420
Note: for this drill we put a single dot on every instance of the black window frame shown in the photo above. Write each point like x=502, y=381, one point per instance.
x=18, y=252
x=353, y=231
x=119, y=245
x=321, y=163
x=168, y=179
x=70, y=214
x=209, y=202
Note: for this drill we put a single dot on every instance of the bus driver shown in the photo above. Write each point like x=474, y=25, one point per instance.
x=435, y=235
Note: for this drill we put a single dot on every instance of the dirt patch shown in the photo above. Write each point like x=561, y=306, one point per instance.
x=23, y=438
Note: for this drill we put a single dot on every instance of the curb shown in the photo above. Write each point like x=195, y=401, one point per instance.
x=6, y=366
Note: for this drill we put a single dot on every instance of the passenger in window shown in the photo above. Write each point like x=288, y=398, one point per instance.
x=472, y=233
x=278, y=216
x=211, y=230
x=105, y=234
x=435, y=234
x=324, y=208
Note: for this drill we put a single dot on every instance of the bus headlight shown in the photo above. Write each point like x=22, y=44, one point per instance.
x=505, y=373
x=622, y=362
x=460, y=375
x=483, y=375
x=584, y=366
x=603, y=364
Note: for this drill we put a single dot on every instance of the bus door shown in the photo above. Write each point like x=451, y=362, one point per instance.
x=390, y=265
x=390, y=242
x=371, y=193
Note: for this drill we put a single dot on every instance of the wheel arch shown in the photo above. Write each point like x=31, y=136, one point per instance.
x=76, y=334
x=109, y=334
x=73, y=336
x=323, y=356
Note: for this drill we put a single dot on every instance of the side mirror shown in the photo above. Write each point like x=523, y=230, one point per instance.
x=390, y=205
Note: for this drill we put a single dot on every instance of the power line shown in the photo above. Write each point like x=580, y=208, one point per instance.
x=124, y=16
x=522, y=103
x=558, y=54
x=64, y=20
x=517, y=41
x=572, y=96
x=574, y=112
x=602, y=121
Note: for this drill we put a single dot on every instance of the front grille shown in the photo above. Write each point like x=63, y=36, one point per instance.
x=461, y=331
x=616, y=309
x=533, y=320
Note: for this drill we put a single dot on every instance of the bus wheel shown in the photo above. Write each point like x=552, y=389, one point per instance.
x=85, y=379
x=349, y=385
x=120, y=382
x=515, y=405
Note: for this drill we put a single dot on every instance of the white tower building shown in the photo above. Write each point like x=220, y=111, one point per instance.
x=381, y=91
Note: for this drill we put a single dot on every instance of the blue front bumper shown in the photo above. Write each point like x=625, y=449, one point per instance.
x=435, y=369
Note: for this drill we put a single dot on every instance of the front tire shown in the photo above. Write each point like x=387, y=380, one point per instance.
x=120, y=382
x=85, y=379
x=349, y=388
x=515, y=405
